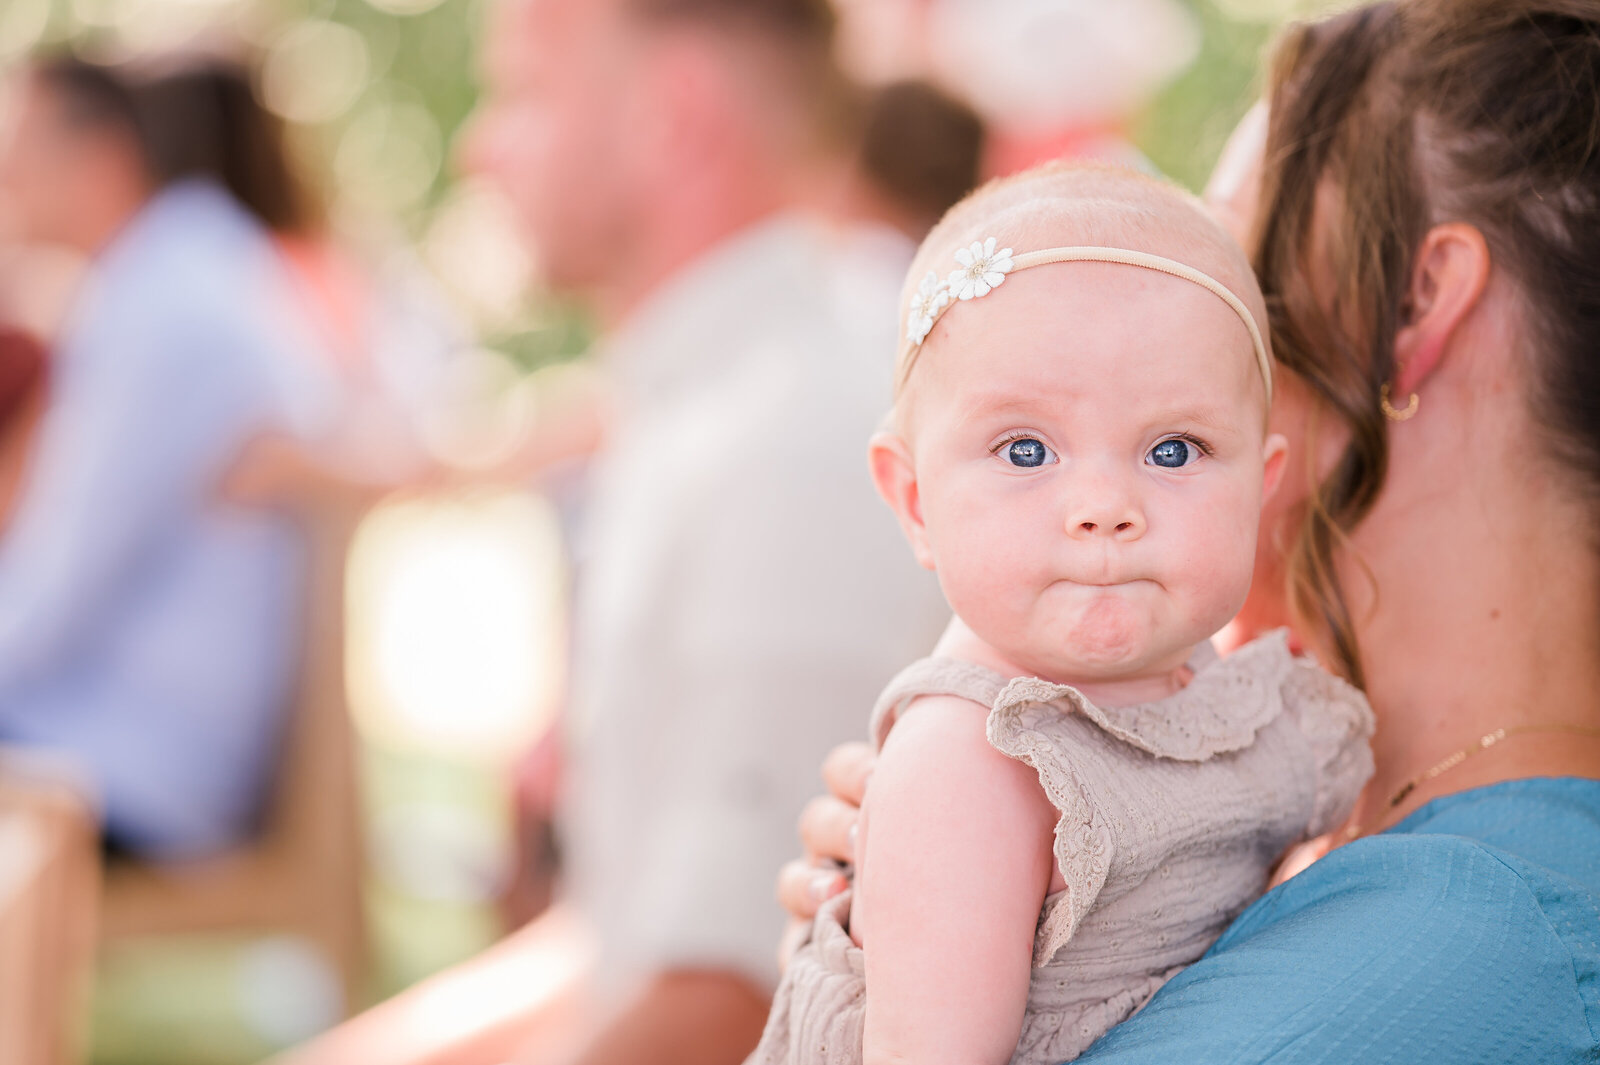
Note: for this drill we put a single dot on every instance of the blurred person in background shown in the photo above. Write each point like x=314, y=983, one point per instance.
x=149, y=633
x=911, y=152
x=1053, y=79
x=1060, y=79
x=656, y=152
x=382, y=333
x=921, y=149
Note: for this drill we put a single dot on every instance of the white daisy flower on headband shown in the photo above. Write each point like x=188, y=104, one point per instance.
x=931, y=297
x=982, y=270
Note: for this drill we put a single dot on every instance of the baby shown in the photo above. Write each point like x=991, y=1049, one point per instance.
x=1076, y=796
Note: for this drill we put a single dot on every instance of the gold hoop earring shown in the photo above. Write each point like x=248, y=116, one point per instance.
x=1389, y=410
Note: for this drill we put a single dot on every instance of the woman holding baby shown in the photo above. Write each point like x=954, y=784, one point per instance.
x=1424, y=219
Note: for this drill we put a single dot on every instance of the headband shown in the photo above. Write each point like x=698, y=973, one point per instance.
x=983, y=269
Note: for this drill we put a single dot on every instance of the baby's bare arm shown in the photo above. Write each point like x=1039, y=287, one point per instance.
x=955, y=862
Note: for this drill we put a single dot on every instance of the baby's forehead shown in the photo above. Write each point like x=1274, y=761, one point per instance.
x=1153, y=222
x=1101, y=223
x=1059, y=207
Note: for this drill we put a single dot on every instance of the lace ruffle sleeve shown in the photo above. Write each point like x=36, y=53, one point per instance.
x=1337, y=725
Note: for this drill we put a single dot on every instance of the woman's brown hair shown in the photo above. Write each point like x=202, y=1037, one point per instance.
x=199, y=120
x=1386, y=121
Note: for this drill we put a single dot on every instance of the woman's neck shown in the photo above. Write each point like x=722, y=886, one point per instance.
x=1485, y=620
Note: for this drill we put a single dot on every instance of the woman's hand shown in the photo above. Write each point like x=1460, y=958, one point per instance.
x=827, y=831
x=828, y=834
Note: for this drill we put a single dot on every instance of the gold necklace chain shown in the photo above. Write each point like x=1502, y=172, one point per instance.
x=1484, y=743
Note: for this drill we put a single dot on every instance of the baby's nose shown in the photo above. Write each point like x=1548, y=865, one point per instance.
x=1120, y=529
x=1105, y=509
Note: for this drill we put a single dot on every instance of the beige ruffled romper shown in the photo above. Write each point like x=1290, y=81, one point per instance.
x=1173, y=815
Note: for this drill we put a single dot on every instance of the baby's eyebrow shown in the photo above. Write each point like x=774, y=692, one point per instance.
x=1207, y=416
x=1001, y=401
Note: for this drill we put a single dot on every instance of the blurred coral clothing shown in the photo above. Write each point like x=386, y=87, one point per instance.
x=742, y=596
x=383, y=324
x=147, y=631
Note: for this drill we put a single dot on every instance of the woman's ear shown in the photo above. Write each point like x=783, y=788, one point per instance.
x=895, y=475
x=1275, y=456
x=1451, y=272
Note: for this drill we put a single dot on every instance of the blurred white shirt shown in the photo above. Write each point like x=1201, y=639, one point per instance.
x=744, y=594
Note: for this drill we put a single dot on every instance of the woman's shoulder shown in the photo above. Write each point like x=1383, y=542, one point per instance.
x=1533, y=843
x=1498, y=887
x=1467, y=933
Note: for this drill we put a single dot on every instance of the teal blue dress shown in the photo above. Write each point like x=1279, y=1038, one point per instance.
x=1469, y=934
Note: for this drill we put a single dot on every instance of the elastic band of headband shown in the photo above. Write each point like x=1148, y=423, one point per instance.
x=983, y=269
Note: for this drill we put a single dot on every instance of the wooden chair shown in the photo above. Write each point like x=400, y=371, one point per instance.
x=302, y=875
x=49, y=877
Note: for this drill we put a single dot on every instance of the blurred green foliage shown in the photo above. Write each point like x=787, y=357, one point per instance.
x=1185, y=127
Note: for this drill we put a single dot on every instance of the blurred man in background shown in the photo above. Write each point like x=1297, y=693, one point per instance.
x=742, y=593
x=148, y=634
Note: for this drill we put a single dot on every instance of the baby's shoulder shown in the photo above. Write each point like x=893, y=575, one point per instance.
x=930, y=682
x=931, y=727
x=937, y=765
x=937, y=730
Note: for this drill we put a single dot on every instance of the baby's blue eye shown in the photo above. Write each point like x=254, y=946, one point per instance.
x=1027, y=453
x=1173, y=454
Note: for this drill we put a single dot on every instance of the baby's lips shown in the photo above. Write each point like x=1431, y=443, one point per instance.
x=1105, y=582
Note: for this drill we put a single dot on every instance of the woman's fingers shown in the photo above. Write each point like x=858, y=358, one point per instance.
x=802, y=887
x=846, y=769
x=827, y=829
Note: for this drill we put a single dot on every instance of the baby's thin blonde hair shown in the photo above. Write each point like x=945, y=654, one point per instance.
x=1077, y=204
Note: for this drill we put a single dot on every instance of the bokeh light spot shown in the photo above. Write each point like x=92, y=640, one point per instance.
x=314, y=71
x=455, y=622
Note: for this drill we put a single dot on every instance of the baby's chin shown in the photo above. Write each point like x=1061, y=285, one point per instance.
x=1107, y=638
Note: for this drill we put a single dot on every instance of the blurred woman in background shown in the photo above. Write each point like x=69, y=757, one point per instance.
x=149, y=633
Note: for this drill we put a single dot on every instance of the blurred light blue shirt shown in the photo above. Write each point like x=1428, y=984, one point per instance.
x=1469, y=934
x=148, y=631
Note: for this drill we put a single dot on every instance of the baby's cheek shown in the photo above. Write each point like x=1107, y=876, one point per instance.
x=977, y=586
x=981, y=572
x=1219, y=559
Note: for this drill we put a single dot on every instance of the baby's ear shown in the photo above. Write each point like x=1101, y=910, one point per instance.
x=895, y=474
x=1274, y=457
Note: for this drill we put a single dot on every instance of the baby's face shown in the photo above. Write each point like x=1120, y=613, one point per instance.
x=1088, y=447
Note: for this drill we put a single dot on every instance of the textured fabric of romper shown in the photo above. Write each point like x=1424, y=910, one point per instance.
x=1173, y=815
